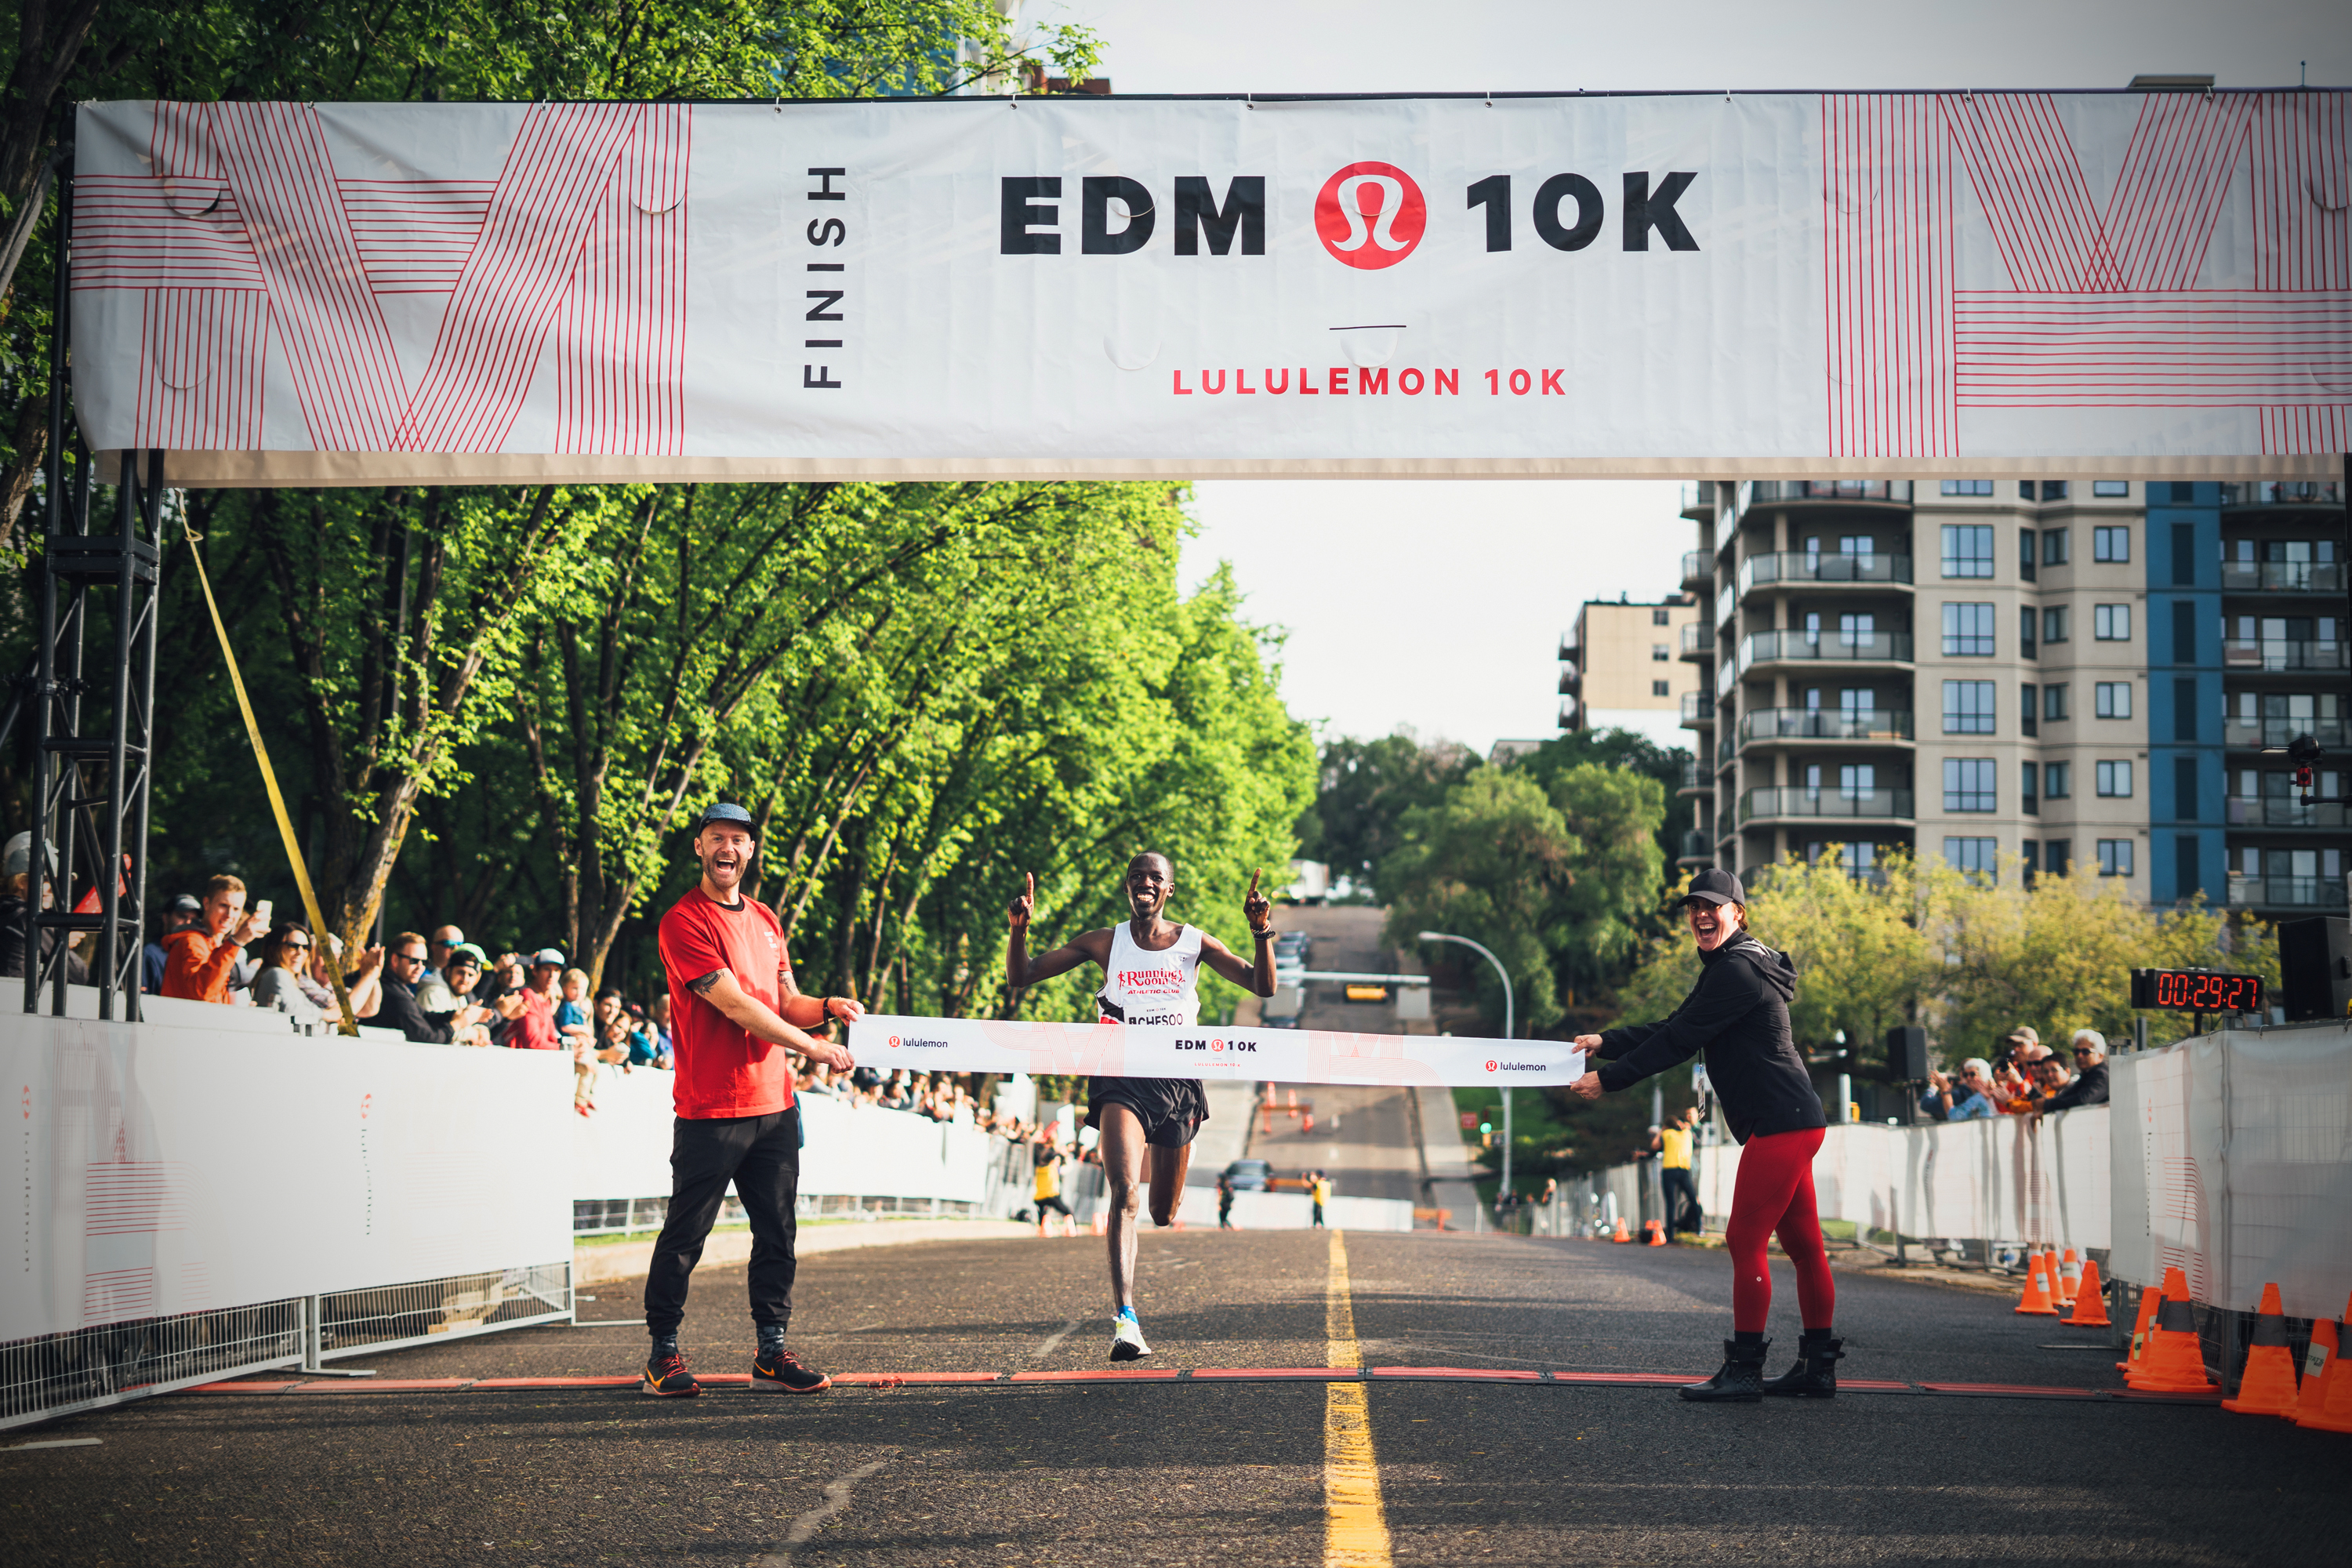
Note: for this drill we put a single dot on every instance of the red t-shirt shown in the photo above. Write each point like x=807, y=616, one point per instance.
x=535, y=1030
x=720, y=1067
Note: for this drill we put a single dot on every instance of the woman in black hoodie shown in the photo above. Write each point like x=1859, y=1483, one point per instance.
x=1738, y=1014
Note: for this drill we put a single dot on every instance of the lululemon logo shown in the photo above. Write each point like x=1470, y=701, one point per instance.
x=1490, y=1067
x=894, y=1042
x=1216, y=1045
x=1370, y=215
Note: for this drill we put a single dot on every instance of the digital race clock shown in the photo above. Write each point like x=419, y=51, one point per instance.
x=2196, y=991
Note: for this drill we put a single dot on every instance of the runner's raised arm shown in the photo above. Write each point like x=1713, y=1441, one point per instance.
x=1255, y=977
x=1021, y=971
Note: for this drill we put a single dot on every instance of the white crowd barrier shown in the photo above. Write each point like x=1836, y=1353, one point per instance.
x=2239, y=1168
x=2009, y=1180
x=210, y=1192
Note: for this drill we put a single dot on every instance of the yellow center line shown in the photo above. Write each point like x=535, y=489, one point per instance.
x=1355, y=1524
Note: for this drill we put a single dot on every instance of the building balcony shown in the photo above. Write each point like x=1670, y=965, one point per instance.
x=1814, y=569
x=1725, y=751
x=1569, y=681
x=2282, y=576
x=2285, y=492
x=1698, y=500
x=1824, y=647
x=1769, y=492
x=1698, y=710
x=2285, y=892
x=2283, y=811
x=1767, y=725
x=1568, y=714
x=2272, y=734
x=1698, y=571
x=1569, y=652
x=1694, y=781
x=1791, y=801
x=2279, y=655
x=1695, y=847
x=1698, y=643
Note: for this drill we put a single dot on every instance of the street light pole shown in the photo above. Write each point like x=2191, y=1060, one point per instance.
x=1509, y=1022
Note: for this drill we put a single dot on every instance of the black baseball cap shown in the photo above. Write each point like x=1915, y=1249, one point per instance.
x=722, y=811
x=187, y=904
x=1714, y=886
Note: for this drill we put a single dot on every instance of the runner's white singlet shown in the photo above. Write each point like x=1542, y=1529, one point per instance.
x=1141, y=986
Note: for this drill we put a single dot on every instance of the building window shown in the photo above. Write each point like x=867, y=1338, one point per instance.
x=2058, y=856
x=2111, y=544
x=2054, y=703
x=1967, y=631
x=2113, y=699
x=2111, y=623
x=2184, y=789
x=2056, y=549
x=2030, y=853
x=2185, y=876
x=1660, y=653
x=1857, y=858
x=2113, y=780
x=2028, y=709
x=2184, y=492
x=1658, y=618
x=1660, y=688
x=2184, y=710
x=1967, y=549
x=1969, y=783
x=2029, y=788
x=2025, y=554
x=2053, y=490
x=2184, y=554
x=2110, y=490
x=2025, y=632
x=1968, y=486
x=1975, y=857
x=2057, y=782
x=2184, y=631
x=1967, y=708
x=2115, y=857
x=2055, y=624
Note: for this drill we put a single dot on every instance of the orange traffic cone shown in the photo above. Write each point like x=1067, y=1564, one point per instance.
x=2090, y=1299
x=2318, y=1371
x=2036, y=1299
x=2148, y=1298
x=2267, y=1386
x=2174, y=1362
x=1657, y=1230
x=2335, y=1412
x=2068, y=1280
x=1621, y=1234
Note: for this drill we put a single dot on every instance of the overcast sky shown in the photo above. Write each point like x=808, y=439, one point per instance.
x=1440, y=604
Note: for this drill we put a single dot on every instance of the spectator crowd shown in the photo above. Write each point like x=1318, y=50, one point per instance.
x=2025, y=1078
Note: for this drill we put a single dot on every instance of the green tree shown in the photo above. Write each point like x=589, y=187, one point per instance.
x=1367, y=788
x=1633, y=752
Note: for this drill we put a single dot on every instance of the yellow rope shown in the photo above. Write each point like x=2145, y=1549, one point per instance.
x=277, y=799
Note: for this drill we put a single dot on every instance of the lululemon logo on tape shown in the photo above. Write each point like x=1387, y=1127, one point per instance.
x=1216, y=1045
x=1370, y=215
x=1490, y=1067
x=894, y=1042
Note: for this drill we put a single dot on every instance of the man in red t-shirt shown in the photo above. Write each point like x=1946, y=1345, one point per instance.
x=735, y=1017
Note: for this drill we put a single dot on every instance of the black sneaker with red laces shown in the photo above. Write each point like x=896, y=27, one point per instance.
x=778, y=1371
x=668, y=1377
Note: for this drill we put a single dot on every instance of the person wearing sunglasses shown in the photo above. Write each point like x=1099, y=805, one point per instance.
x=284, y=984
x=2090, y=1084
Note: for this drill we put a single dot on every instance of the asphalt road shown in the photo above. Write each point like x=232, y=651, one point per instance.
x=1199, y=1471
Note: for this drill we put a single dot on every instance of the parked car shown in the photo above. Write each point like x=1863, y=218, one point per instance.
x=1250, y=1175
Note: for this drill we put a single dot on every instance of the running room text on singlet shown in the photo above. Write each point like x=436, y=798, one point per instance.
x=1141, y=986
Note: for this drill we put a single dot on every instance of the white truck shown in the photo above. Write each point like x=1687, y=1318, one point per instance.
x=1310, y=882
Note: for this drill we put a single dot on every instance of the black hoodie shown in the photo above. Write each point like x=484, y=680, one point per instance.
x=1738, y=1014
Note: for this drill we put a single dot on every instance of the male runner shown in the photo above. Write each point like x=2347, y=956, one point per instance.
x=735, y=1011
x=1151, y=975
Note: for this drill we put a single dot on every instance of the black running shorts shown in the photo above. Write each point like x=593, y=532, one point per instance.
x=1057, y=1204
x=1171, y=1109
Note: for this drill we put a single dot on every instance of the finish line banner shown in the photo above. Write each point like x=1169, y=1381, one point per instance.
x=1778, y=285
x=1144, y=1050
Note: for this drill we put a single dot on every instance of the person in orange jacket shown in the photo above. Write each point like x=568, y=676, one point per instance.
x=199, y=961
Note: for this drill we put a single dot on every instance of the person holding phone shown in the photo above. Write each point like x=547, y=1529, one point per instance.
x=199, y=962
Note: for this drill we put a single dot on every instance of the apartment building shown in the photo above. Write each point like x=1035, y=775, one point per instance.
x=2063, y=670
x=1633, y=666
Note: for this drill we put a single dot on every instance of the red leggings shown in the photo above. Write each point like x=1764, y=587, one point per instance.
x=1774, y=1191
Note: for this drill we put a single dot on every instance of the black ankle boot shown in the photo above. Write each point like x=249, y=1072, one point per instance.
x=1741, y=1381
x=1815, y=1374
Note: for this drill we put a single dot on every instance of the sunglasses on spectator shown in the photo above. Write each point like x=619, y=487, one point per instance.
x=410, y=957
x=294, y=946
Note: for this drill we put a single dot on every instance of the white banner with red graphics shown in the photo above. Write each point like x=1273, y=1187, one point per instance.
x=1206, y=1051
x=1783, y=284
